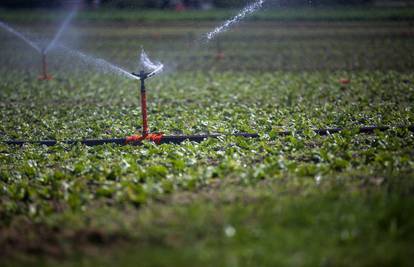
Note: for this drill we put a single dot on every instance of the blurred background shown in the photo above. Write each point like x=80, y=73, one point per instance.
x=287, y=35
x=182, y=5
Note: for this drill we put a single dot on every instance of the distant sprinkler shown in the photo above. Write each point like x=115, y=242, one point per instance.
x=45, y=76
x=43, y=51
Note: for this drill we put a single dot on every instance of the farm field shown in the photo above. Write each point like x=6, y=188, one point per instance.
x=301, y=200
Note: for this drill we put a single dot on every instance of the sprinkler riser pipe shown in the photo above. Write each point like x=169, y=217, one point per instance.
x=142, y=77
x=44, y=65
x=145, y=129
x=44, y=76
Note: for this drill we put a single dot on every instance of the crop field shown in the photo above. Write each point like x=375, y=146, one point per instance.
x=345, y=199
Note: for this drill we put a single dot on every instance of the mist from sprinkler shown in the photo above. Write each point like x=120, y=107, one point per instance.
x=101, y=64
x=61, y=30
x=250, y=9
x=214, y=33
x=148, y=65
x=52, y=44
x=21, y=36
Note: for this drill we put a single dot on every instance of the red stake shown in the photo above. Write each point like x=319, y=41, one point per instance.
x=145, y=130
x=44, y=76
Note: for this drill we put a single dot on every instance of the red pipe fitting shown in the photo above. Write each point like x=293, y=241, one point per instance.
x=155, y=137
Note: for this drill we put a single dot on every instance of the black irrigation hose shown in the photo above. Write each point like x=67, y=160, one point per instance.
x=91, y=142
x=177, y=139
x=166, y=139
x=366, y=129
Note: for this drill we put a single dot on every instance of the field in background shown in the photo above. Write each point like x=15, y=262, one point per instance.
x=287, y=46
x=168, y=16
x=300, y=200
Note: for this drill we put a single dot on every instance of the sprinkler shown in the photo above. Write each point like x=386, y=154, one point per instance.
x=44, y=76
x=142, y=76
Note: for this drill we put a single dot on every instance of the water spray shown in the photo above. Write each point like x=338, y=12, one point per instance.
x=250, y=9
x=60, y=31
x=101, y=64
x=20, y=36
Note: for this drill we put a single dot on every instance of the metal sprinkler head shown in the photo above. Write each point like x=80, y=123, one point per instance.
x=142, y=75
